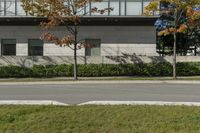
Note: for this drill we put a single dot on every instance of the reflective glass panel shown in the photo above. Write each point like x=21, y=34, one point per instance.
x=133, y=7
x=100, y=5
x=122, y=7
x=115, y=5
x=1, y=8
x=10, y=7
x=20, y=10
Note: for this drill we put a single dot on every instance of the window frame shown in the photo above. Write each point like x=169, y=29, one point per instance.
x=2, y=46
x=86, y=49
x=30, y=47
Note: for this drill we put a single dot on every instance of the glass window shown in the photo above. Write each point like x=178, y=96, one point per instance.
x=87, y=9
x=134, y=7
x=83, y=10
x=100, y=5
x=35, y=47
x=145, y=3
x=122, y=7
x=8, y=47
x=10, y=7
x=20, y=10
x=95, y=50
x=115, y=5
x=1, y=8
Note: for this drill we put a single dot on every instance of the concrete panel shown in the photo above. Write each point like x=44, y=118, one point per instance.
x=22, y=49
x=50, y=49
x=29, y=61
x=121, y=49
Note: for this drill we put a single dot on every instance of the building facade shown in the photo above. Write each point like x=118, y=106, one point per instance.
x=123, y=31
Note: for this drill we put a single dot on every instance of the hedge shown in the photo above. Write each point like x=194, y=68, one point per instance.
x=91, y=70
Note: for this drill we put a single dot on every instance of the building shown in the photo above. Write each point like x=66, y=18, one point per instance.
x=122, y=31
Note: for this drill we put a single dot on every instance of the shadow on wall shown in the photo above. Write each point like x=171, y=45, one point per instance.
x=13, y=60
x=128, y=58
x=29, y=61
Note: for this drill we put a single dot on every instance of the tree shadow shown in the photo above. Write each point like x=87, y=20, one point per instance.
x=21, y=61
x=126, y=58
x=136, y=59
x=157, y=59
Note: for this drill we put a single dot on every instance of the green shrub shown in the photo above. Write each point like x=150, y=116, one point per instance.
x=89, y=70
x=161, y=69
x=95, y=70
x=109, y=70
x=13, y=71
x=188, y=68
x=126, y=69
x=64, y=70
x=38, y=71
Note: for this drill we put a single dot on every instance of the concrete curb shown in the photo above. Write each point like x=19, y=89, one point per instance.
x=31, y=102
x=50, y=102
x=141, y=103
x=105, y=82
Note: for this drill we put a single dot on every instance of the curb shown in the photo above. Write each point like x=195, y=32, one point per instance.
x=105, y=82
x=31, y=102
x=161, y=103
x=55, y=103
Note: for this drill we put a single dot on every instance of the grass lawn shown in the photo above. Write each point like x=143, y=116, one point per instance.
x=99, y=119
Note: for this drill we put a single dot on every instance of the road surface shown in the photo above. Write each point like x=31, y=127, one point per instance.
x=79, y=93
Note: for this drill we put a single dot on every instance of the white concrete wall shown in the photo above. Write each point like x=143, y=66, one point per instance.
x=51, y=49
x=115, y=40
x=119, y=49
x=29, y=61
x=116, y=49
x=22, y=49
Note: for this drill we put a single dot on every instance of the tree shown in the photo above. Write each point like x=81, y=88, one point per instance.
x=63, y=12
x=176, y=16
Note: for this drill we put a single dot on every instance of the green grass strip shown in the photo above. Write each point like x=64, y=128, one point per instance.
x=99, y=119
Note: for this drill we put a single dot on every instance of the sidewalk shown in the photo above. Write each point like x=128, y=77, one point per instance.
x=101, y=80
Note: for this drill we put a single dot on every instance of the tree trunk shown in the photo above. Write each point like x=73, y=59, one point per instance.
x=195, y=50
x=174, y=57
x=75, y=63
x=75, y=52
x=174, y=50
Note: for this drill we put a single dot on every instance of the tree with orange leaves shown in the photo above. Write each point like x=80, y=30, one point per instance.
x=63, y=12
x=176, y=16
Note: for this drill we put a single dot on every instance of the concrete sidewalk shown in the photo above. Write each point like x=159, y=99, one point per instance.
x=43, y=82
x=101, y=80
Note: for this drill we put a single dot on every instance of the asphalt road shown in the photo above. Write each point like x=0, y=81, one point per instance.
x=79, y=93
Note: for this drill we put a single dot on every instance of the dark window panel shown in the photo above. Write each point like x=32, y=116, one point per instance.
x=35, y=47
x=95, y=50
x=8, y=47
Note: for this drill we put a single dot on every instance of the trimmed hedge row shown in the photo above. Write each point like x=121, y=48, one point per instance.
x=91, y=70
